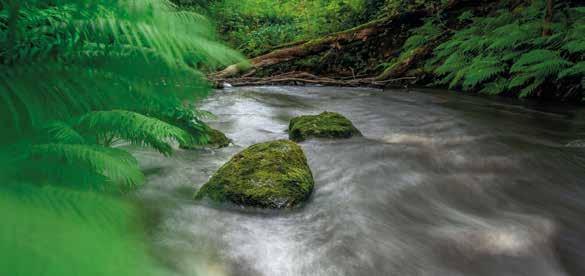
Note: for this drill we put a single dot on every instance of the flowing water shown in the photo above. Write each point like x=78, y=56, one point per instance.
x=440, y=184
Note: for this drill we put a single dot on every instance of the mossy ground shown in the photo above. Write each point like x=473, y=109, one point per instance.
x=324, y=125
x=273, y=175
x=217, y=139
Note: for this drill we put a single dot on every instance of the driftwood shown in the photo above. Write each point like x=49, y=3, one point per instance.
x=307, y=78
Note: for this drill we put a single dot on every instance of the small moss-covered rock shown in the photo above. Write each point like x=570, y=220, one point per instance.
x=272, y=175
x=216, y=140
x=324, y=125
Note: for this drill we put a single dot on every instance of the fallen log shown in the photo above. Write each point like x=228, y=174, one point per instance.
x=401, y=67
x=307, y=78
x=301, y=49
x=316, y=46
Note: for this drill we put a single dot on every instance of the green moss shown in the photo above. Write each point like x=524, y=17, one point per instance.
x=324, y=125
x=216, y=139
x=273, y=174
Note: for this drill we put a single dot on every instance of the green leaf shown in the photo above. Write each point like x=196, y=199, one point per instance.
x=133, y=127
x=117, y=166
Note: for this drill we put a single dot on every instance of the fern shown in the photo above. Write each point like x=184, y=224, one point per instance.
x=60, y=132
x=519, y=80
x=136, y=128
x=453, y=70
x=528, y=90
x=88, y=164
x=422, y=35
x=495, y=87
x=51, y=231
x=102, y=55
x=536, y=66
x=512, y=35
x=575, y=46
x=577, y=69
x=509, y=45
x=63, y=65
x=482, y=69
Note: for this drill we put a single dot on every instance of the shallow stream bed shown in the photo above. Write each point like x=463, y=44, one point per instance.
x=440, y=184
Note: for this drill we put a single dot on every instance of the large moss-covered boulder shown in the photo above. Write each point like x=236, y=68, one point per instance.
x=324, y=125
x=272, y=175
x=217, y=139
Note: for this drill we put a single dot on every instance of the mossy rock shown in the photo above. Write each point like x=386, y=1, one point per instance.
x=324, y=125
x=217, y=139
x=271, y=175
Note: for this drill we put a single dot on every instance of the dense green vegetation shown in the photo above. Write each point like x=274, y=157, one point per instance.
x=77, y=79
x=507, y=52
x=517, y=48
x=255, y=26
x=80, y=79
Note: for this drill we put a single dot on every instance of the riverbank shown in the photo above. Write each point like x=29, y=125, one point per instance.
x=502, y=48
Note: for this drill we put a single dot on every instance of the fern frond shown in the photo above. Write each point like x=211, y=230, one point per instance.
x=60, y=132
x=116, y=166
x=533, y=57
x=528, y=90
x=575, y=70
x=536, y=66
x=507, y=36
x=75, y=56
x=575, y=46
x=519, y=80
x=474, y=46
x=482, y=69
x=133, y=127
x=422, y=35
x=542, y=63
x=495, y=87
x=458, y=77
x=61, y=225
x=511, y=55
x=453, y=63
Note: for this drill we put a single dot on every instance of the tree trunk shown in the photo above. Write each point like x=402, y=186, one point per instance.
x=302, y=49
x=548, y=17
x=316, y=46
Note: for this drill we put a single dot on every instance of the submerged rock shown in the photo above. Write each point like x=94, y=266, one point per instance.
x=273, y=175
x=324, y=125
x=217, y=139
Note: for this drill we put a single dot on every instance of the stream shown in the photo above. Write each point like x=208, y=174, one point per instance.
x=440, y=184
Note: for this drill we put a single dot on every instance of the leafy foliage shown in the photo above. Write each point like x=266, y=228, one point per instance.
x=74, y=77
x=256, y=26
x=56, y=232
x=95, y=165
x=506, y=52
x=106, y=126
x=419, y=37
